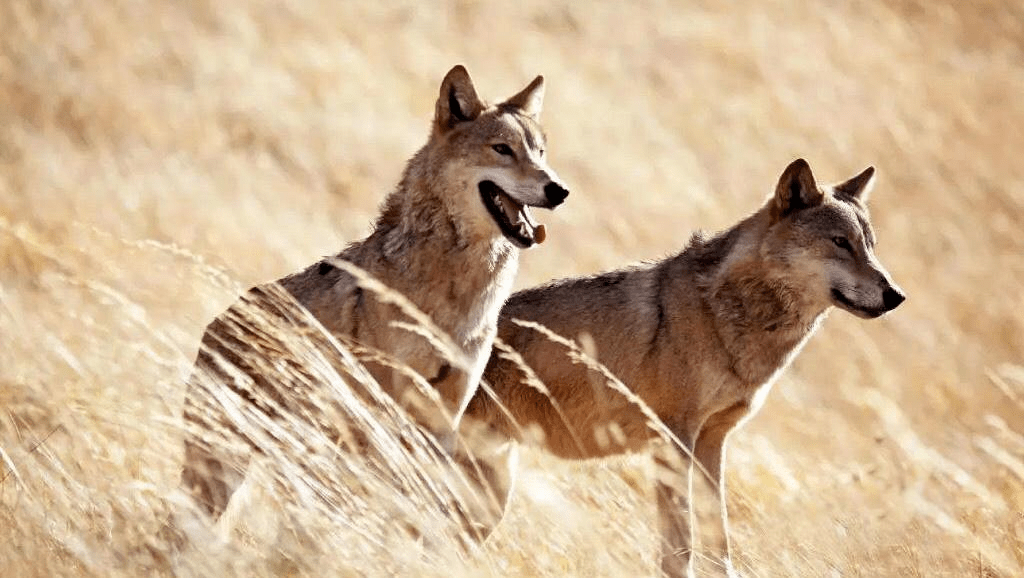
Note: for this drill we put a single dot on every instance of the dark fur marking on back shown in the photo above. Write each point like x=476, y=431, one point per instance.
x=612, y=279
x=324, y=268
x=706, y=253
x=355, y=312
x=660, y=325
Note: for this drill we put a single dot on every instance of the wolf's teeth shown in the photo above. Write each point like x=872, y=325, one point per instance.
x=527, y=216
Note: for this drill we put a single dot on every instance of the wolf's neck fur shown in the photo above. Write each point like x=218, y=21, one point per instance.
x=449, y=272
x=761, y=319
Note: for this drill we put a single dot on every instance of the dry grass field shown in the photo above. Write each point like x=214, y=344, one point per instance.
x=158, y=157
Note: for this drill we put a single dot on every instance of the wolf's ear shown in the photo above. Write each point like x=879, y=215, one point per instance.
x=796, y=190
x=530, y=99
x=457, y=101
x=858, y=187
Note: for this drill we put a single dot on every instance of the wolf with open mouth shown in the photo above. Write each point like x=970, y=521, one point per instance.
x=448, y=239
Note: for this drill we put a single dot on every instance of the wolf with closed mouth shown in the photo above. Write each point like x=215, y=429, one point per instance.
x=447, y=239
x=698, y=337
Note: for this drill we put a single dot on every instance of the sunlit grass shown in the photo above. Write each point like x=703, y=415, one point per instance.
x=157, y=158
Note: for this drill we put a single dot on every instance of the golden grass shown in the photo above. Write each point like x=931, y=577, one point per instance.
x=155, y=158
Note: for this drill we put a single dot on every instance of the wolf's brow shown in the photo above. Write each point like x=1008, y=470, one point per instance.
x=528, y=135
x=866, y=230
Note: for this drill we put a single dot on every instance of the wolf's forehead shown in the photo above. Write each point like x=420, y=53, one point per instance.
x=847, y=215
x=866, y=229
x=514, y=126
x=863, y=221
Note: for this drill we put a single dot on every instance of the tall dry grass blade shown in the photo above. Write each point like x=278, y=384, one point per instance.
x=531, y=379
x=577, y=355
x=424, y=325
x=313, y=391
x=900, y=430
x=222, y=278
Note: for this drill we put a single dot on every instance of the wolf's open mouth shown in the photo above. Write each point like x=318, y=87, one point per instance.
x=513, y=218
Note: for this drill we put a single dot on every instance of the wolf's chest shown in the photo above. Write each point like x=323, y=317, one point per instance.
x=475, y=319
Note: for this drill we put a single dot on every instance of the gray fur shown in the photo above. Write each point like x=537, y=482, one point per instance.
x=699, y=337
x=435, y=242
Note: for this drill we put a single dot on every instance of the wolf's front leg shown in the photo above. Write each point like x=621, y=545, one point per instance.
x=672, y=485
x=437, y=411
x=490, y=469
x=709, y=499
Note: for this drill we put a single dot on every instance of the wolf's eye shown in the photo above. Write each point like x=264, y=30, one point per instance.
x=842, y=243
x=503, y=149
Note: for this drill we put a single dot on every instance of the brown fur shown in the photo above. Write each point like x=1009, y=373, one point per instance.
x=435, y=242
x=699, y=337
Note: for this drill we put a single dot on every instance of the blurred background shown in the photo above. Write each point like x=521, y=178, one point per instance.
x=158, y=157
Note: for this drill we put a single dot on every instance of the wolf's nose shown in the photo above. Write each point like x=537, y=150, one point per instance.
x=555, y=194
x=892, y=298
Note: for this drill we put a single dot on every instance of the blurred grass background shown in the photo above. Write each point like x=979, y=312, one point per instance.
x=157, y=157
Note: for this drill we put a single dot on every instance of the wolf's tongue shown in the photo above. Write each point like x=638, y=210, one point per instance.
x=539, y=234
